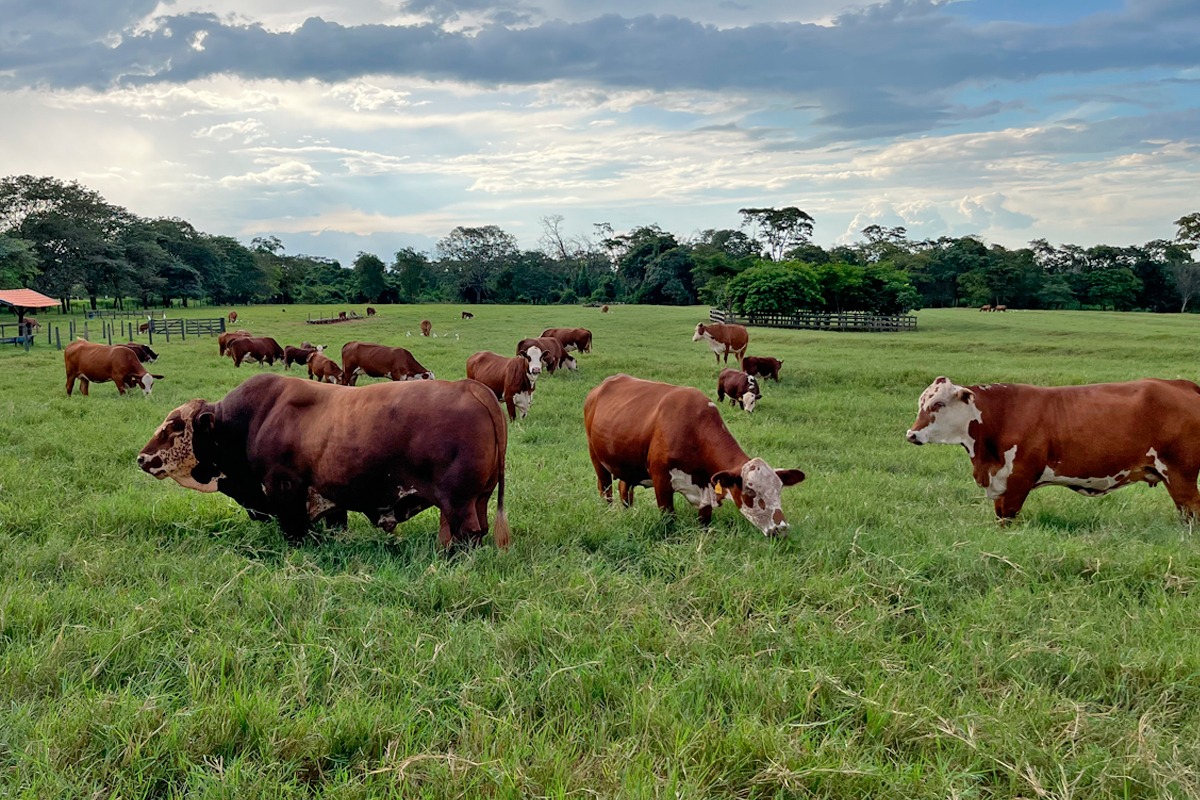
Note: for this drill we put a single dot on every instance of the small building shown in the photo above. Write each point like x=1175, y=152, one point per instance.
x=22, y=301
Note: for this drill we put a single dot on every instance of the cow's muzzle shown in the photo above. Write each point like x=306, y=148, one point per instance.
x=914, y=437
x=151, y=464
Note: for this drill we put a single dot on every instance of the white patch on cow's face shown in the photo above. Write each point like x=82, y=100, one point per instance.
x=998, y=485
x=321, y=348
x=173, y=455
x=749, y=399
x=522, y=401
x=698, y=496
x=700, y=332
x=535, y=363
x=761, y=497
x=1159, y=466
x=944, y=416
x=318, y=504
x=147, y=384
x=717, y=347
x=570, y=363
x=1089, y=486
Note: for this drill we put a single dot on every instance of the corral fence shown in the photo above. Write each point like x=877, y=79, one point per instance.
x=342, y=317
x=845, y=321
x=112, y=314
x=106, y=331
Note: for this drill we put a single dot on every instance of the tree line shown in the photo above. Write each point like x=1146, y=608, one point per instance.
x=67, y=241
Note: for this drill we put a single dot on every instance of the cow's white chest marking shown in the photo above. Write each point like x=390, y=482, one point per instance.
x=998, y=485
x=696, y=495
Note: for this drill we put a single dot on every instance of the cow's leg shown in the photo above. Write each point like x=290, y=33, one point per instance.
x=481, y=504
x=706, y=513
x=84, y=383
x=336, y=518
x=71, y=376
x=1181, y=485
x=664, y=492
x=604, y=478
x=1008, y=505
x=120, y=382
x=625, y=491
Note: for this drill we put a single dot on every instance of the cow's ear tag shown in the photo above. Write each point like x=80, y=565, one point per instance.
x=719, y=489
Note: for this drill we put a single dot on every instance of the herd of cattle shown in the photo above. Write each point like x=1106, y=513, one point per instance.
x=306, y=451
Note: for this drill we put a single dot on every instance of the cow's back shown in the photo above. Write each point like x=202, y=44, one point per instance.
x=625, y=417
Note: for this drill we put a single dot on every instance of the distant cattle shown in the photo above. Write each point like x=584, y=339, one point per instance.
x=572, y=338
x=426, y=327
x=303, y=452
x=323, y=368
x=380, y=361
x=143, y=352
x=553, y=354
x=739, y=388
x=1000, y=308
x=341, y=315
x=145, y=326
x=603, y=309
x=672, y=438
x=985, y=308
x=508, y=378
x=255, y=348
x=299, y=355
x=31, y=324
x=98, y=363
x=762, y=365
x=468, y=315
x=224, y=339
x=232, y=317
x=370, y=311
x=723, y=339
x=1092, y=439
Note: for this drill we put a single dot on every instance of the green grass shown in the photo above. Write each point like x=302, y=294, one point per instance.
x=900, y=644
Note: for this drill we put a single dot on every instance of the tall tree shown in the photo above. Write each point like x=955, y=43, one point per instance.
x=781, y=229
x=368, y=268
x=471, y=257
x=414, y=274
x=18, y=264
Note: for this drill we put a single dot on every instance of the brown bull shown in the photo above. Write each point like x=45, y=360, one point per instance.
x=508, y=378
x=380, y=361
x=99, y=363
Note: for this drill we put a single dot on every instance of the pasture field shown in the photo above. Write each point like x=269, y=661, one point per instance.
x=154, y=642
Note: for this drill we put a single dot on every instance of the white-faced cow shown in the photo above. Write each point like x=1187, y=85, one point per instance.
x=301, y=452
x=672, y=438
x=1092, y=439
x=572, y=338
x=739, y=388
x=98, y=363
x=380, y=361
x=142, y=351
x=509, y=378
x=723, y=339
x=553, y=354
x=762, y=365
x=323, y=368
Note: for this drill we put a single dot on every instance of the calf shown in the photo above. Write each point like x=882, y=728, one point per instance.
x=255, y=348
x=143, y=352
x=426, y=327
x=723, y=339
x=468, y=315
x=603, y=309
x=97, y=363
x=379, y=361
x=370, y=311
x=645, y=433
x=232, y=317
x=572, y=338
x=508, y=378
x=739, y=387
x=762, y=365
x=552, y=354
x=1092, y=439
x=299, y=355
x=323, y=368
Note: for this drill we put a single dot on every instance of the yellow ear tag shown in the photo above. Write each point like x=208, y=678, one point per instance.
x=718, y=489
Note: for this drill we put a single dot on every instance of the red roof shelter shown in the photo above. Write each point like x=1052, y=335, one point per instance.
x=22, y=300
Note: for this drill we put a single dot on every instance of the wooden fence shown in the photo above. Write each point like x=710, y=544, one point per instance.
x=184, y=327
x=860, y=321
x=111, y=314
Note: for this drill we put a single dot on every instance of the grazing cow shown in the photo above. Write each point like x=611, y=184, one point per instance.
x=1092, y=439
x=603, y=309
x=762, y=365
x=143, y=352
x=370, y=311
x=553, y=354
x=323, y=368
x=723, y=339
x=672, y=438
x=31, y=324
x=97, y=363
x=508, y=378
x=224, y=339
x=468, y=315
x=299, y=355
x=145, y=326
x=301, y=452
x=255, y=348
x=1000, y=308
x=572, y=338
x=739, y=387
x=232, y=317
x=985, y=308
x=426, y=327
x=380, y=361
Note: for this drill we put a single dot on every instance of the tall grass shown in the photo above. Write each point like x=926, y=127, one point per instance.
x=154, y=642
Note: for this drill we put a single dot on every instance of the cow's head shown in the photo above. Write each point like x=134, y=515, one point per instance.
x=151, y=356
x=569, y=362
x=750, y=396
x=944, y=415
x=757, y=490
x=183, y=449
x=145, y=382
x=700, y=332
x=534, y=356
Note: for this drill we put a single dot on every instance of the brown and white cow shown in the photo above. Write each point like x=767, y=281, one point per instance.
x=739, y=388
x=380, y=361
x=98, y=363
x=232, y=317
x=468, y=315
x=254, y=348
x=299, y=355
x=142, y=351
x=762, y=365
x=551, y=354
x=508, y=378
x=224, y=339
x=370, y=311
x=723, y=339
x=603, y=309
x=301, y=452
x=572, y=338
x=1092, y=439
x=985, y=308
x=31, y=324
x=645, y=433
x=323, y=368
x=426, y=327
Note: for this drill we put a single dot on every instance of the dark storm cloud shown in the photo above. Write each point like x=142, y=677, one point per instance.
x=886, y=70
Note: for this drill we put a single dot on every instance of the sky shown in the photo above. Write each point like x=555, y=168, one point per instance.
x=376, y=125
